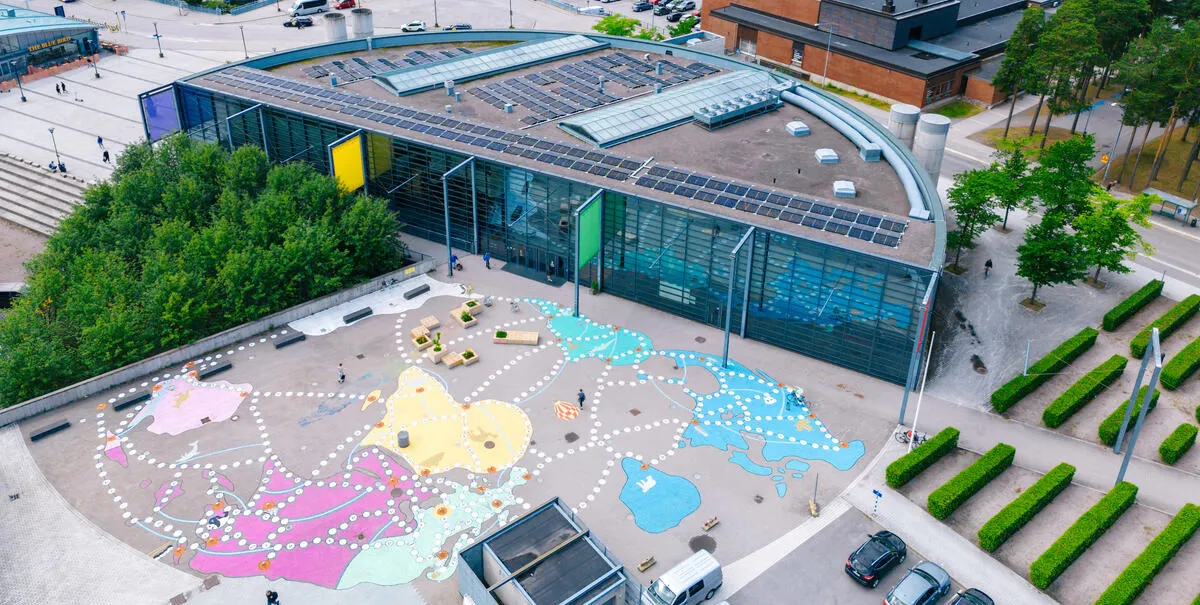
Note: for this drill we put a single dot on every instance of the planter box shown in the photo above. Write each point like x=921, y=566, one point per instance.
x=419, y=331
x=452, y=359
x=516, y=337
x=436, y=356
x=473, y=307
x=472, y=359
x=421, y=346
x=457, y=315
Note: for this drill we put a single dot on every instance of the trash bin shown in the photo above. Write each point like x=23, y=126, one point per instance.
x=1193, y=223
x=402, y=439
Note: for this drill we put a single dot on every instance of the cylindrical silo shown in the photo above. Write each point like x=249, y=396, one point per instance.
x=364, y=23
x=903, y=122
x=335, y=27
x=929, y=144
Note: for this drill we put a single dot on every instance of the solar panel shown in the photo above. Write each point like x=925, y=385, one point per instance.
x=860, y=233
x=757, y=194
x=822, y=209
x=891, y=225
x=582, y=166
x=799, y=204
x=726, y=201
x=697, y=180
x=716, y=185
x=887, y=240
x=705, y=196
x=685, y=191
x=658, y=171
x=837, y=227
x=868, y=220
x=814, y=222
x=736, y=189
x=676, y=175
x=790, y=217
x=665, y=186
x=768, y=211
x=646, y=181
x=845, y=215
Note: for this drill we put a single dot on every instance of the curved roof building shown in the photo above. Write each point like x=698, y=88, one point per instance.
x=714, y=189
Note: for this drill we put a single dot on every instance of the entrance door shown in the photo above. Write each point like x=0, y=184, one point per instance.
x=747, y=41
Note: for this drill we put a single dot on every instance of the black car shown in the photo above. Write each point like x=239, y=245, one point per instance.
x=642, y=6
x=673, y=17
x=456, y=27
x=971, y=596
x=662, y=9
x=877, y=556
x=925, y=584
x=298, y=22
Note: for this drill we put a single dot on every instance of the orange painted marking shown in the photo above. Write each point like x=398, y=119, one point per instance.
x=265, y=564
x=102, y=406
x=497, y=504
x=442, y=555
x=393, y=481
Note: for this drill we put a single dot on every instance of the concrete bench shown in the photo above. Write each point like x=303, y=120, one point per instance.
x=417, y=291
x=215, y=369
x=288, y=339
x=430, y=323
x=130, y=402
x=49, y=429
x=350, y=318
x=516, y=337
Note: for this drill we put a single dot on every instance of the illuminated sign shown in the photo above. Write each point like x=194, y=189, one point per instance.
x=49, y=43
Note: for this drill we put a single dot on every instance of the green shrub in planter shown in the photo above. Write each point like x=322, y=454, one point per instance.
x=1178, y=443
x=1112, y=425
x=1130, y=306
x=1138, y=575
x=1181, y=366
x=1082, y=534
x=904, y=468
x=951, y=495
x=1021, y=510
x=501, y=334
x=1043, y=369
x=1083, y=391
x=1168, y=323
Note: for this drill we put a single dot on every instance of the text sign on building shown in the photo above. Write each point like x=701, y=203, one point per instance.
x=589, y=233
x=348, y=163
x=49, y=43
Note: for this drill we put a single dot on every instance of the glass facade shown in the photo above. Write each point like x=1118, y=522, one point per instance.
x=843, y=306
x=45, y=48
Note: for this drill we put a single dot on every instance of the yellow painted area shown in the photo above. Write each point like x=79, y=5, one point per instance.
x=379, y=149
x=348, y=164
x=372, y=397
x=480, y=436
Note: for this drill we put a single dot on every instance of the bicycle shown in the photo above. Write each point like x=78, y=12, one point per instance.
x=905, y=435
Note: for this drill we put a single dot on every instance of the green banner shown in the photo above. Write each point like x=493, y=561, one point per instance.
x=589, y=233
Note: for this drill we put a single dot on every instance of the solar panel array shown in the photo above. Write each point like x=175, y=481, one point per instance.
x=764, y=203
x=772, y=204
x=358, y=68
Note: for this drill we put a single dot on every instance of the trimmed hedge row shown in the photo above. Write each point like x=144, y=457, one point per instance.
x=1130, y=306
x=1044, y=369
x=1112, y=425
x=951, y=495
x=904, y=468
x=1081, y=535
x=1182, y=366
x=1138, y=575
x=1178, y=443
x=1021, y=510
x=1168, y=323
x=1083, y=391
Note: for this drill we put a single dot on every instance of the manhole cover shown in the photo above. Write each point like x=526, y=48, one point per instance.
x=700, y=339
x=635, y=412
x=489, y=444
x=572, y=437
x=396, y=492
x=359, y=356
x=758, y=499
x=698, y=543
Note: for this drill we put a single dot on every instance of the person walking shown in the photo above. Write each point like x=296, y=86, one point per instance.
x=987, y=268
x=487, y=260
x=100, y=142
x=272, y=597
x=341, y=374
x=106, y=156
x=581, y=397
x=64, y=85
x=550, y=273
x=57, y=89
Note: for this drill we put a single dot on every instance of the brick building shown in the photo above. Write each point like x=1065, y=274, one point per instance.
x=914, y=51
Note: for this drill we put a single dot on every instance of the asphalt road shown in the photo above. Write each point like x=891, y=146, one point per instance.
x=814, y=572
x=1176, y=250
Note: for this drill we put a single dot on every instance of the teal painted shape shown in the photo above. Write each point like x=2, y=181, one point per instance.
x=781, y=489
x=583, y=338
x=657, y=500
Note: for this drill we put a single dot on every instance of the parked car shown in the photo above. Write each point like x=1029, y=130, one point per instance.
x=344, y=4
x=673, y=17
x=971, y=596
x=657, y=2
x=875, y=558
x=606, y=1
x=925, y=584
x=688, y=5
x=662, y=9
x=413, y=26
x=642, y=6
x=456, y=27
x=298, y=22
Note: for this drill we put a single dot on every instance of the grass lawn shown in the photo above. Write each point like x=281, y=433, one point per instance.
x=849, y=94
x=990, y=136
x=1168, y=175
x=958, y=109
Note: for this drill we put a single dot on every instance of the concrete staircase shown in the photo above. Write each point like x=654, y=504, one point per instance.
x=35, y=198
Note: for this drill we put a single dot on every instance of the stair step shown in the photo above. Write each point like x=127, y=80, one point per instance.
x=44, y=195
x=32, y=224
x=20, y=170
x=15, y=199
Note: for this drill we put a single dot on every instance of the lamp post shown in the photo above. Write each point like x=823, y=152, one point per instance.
x=158, y=38
x=510, y=20
x=22, y=88
x=1113, y=154
x=435, y=20
x=57, y=157
x=95, y=67
x=242, y=29
x=828, y=46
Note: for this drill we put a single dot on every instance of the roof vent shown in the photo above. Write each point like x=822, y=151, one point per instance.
x=888, y=6
x=11, y=13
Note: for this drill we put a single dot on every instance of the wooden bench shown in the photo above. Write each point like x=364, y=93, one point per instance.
x=49, y=429
x=288, y=339
x=350, y=318
x=517, y=337
x=214, y=369
x=419, y=331
x=417, y=291
x=431, y=323
x=452, y=359
x=132, y=401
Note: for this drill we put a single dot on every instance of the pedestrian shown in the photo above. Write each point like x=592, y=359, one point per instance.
x=1109, y=185
x=57, y=89
x=987, y=267
x=487, y=260
x=581, y=397
x=100, y=142
x=272, y=597
x=550, y=273
x=105, y=156
x=341, y=374
x=64, y=85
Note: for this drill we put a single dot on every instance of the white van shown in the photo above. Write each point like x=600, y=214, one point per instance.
x=694, y=580
x=309, y=7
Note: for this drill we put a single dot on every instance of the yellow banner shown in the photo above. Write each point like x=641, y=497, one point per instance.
x=379, y=149
x=348, y=164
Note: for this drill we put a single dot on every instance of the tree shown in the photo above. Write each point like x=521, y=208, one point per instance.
x=616, y=25
x=1117, y=23
x=684, y=27
x=1012, y=175
x=1107, y=235
x=1049, y=256
x=1063, y=179
x=1067, y=53
x=971, y=200
x=1016, y=68
x=649, y=34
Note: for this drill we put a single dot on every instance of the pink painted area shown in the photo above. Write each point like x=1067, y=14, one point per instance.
x=181, y=404
x=312, y=513
x=221, y=480
x=144, y=484
x=167, y=492
x=114, y=450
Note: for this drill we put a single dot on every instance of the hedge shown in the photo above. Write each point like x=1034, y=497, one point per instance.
x=1181, y=366
x=1168, y=323
x=1138, y=575
x=1022, y=510
x=1081, y=535
x=1178, y=443
x=951, y=495
x=1198, y=413
x=1130, y=306
x=904, y=468
x=1084, y=390
x=1044, y=369
x=1112, y=425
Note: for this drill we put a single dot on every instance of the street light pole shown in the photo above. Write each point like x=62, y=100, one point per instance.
x=57, y=157
x=828, y=47
x=435, y=20
x=95, y=66
x=158, y=38
x=22, y=88
x=242, y=29
x=510, y=20
x=1113, y=154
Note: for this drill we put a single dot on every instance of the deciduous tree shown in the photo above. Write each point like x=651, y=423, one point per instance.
x=1063, y=179
x=1017, y=67
x=1049, y=256
x=1011, y=168
x=974, y=209
x=1106, y=234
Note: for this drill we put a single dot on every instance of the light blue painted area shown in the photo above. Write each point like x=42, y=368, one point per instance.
x=657, y=500
x=776, y=477
x=796, y=465
x=750, y=466
x=774, y=450
x=583, y=338
x=781, y=489
x=797, y=475
x=720, y=437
